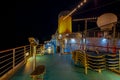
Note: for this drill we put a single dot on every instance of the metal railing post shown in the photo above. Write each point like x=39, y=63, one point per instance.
x=34, y=57
x=85, y=47
x=25, y=54
x=13, y=59
x=30, y=50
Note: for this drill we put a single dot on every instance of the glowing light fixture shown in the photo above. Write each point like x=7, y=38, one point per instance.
x=60, y=36
x=49, y=49
x=85, y=1
x=81, y=3
x=104, y=40
x=67, y=34
x=27, y=54
x=73, y=40
x=84, y=40
x=78, y=6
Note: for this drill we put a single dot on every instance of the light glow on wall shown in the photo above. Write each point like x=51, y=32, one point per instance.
x=104, y=41
x=60, y=36
x=49, y=50
x=73, y=40
x=64, y=26
x=84, y=40
x=27, y=53
x=65, y=40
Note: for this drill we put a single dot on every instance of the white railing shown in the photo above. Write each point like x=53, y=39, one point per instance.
x=12, y=59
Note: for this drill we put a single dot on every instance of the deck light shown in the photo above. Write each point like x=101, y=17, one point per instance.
x=60, y=36
x=49, y=49
x=104, y=40
x=79, y=6
x=84, y=40
x=27, y=54
x=81, y=3
x=73, y=40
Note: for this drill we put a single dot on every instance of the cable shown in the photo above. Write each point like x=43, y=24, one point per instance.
x=97, y=7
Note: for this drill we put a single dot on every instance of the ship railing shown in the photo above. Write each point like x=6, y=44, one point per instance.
x=100, y=34
x=112, y=56
x=12, y=59
x=99, y=60
x=106, y=49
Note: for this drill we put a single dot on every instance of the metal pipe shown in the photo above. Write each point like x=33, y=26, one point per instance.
x=83, y=19
x=70, y=13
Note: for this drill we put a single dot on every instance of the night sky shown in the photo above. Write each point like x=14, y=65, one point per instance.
x=39, y=18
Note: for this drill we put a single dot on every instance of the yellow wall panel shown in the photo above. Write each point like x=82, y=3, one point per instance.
x=65, y=26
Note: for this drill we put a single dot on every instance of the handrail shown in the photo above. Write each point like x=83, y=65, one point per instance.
x=18, y=62
x=6, y=50
x=14, y=54
x=19, y=54
x=5, y=55
x=5, y=65
x=19, y=57
x=5, y=70
x=19, y=51
x=5, y=60
x=12, y=49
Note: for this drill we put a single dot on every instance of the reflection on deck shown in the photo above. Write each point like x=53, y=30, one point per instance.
x=61, y=67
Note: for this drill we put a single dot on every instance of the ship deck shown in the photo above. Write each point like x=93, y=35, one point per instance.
x=61, y=67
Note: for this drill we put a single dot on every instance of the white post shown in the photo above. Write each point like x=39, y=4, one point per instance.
x=34, y=57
